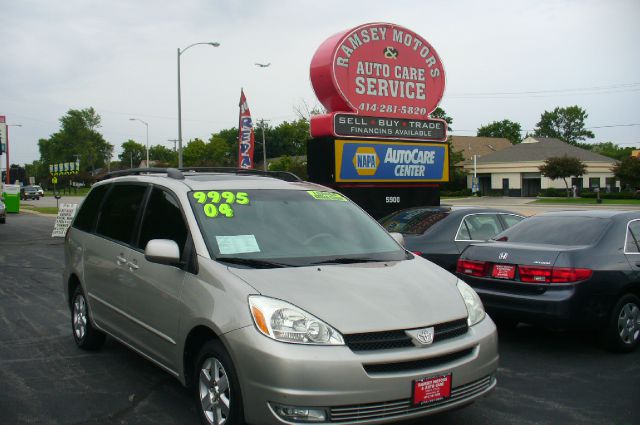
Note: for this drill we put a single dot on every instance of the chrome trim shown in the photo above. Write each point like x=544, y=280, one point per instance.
x=626, y=238
x=455, y=238
x=133, y=319
x=132, y=348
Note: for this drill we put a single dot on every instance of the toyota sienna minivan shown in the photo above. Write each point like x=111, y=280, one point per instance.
x=276, y=301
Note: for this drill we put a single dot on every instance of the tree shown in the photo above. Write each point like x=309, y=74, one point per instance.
x=441, y=114
x=563, y=167
x=195, y=154
x=163, y=155
x=505, y=128
x=77, y=138
x=611, y=150
x=132, y=154
x=628, y=171
x=566, y=124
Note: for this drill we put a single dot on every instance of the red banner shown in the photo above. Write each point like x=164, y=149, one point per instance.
x=246, y=138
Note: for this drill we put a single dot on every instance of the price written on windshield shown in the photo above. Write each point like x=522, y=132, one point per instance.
x=216, y=203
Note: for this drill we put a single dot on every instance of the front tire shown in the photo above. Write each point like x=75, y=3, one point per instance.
x=622, y=334
x=84, y=334
x=216, y=388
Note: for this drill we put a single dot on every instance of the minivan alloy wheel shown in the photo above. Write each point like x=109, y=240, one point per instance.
x=79, y=316
x=215, y=393
x=629, y=323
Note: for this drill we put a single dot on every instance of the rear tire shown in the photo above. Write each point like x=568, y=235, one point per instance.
x=622, y=334
x=216, y=389
x=85, y=335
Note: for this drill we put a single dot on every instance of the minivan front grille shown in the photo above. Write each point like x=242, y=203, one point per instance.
x=416, y=365
x=399, y=408
x=386, y=340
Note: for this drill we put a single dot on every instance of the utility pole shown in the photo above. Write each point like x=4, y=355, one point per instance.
x=174, y=143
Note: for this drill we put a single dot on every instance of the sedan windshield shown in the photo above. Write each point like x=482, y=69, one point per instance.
x=555, y=230
x=279, y=228
x=413, y=221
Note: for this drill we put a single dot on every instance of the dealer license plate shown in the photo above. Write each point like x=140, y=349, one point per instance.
x=503, y=271
x=431, y=390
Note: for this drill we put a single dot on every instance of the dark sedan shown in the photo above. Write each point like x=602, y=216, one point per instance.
x=571, y=269
x=439, y=234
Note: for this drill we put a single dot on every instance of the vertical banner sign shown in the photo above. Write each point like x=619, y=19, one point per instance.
x=246, y=138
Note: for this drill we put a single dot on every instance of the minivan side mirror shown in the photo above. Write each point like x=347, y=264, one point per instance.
x=398, y=238
x=162, y=251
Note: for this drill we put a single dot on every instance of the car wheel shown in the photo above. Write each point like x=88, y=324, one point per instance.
x=216, y=387
x=622, y=334
x=85, y=335
x=3, y=220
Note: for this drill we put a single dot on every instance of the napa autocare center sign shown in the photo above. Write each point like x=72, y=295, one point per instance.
x=390, y=162
x=379, y=82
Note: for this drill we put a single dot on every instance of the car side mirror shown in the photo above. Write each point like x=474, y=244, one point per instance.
x=398, y=238
x=162, y=251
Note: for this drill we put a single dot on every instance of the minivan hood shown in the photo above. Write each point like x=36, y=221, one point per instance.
x=365, y=297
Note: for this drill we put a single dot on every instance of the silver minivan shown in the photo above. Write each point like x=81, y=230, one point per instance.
x=276, y=301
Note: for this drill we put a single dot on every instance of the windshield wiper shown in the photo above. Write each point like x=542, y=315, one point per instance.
x=348, y=260
x=252, y=262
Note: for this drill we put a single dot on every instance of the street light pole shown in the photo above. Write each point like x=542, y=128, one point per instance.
x=264, y=148
x=147, y=126
x=180, y=52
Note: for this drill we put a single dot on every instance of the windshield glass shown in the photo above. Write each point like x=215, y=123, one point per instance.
x=413, y=221
x=289, y=228
x=554, y=230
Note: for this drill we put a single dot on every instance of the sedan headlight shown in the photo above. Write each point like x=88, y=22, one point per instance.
x=284, y=322
x=473, y=303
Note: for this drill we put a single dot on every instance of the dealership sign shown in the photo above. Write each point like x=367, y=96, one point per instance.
x=379, y=69
x=368, y=161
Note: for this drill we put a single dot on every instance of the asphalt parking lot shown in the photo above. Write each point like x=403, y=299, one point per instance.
x=545, y=377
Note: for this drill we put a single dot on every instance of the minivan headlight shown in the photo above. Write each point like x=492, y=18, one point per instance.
x=473, y=303
x=284, y=322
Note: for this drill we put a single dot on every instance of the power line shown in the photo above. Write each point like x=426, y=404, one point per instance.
x=614, y=88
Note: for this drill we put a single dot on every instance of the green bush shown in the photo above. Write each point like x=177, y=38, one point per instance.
x=553, y=193
x=612, y=195
x=455, y=193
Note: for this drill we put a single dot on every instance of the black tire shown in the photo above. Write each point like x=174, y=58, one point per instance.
x=3, y=220
x=622, y=334
x=84, y=334
x=226, y=401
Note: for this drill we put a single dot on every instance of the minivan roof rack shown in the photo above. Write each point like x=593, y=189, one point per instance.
x=173, y=173
x=282, y=175
x=178, y=174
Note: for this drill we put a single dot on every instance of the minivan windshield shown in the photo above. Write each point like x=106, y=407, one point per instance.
x=279, y=228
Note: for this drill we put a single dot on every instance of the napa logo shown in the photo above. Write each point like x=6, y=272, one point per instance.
x=366, y=161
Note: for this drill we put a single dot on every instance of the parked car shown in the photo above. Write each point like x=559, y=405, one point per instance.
x=439, y=234
x=572, y=269
x=39, y=190
x=276, y=300
x=29, y=192
x=3, y=212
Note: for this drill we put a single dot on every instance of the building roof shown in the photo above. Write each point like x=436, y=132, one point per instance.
x=539, y=149
x=472, y=145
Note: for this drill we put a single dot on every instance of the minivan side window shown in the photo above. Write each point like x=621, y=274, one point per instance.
x=120, y=211
x=86, y=217
x=163, y=220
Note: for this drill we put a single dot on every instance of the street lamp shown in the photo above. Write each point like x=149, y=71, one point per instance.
x=7, y=181
x=146, y=125
x=180, y=52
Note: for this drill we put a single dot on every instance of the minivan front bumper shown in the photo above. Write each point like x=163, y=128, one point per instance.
x=334, y=379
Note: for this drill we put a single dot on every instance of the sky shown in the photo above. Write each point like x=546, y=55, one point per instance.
x=503, y=60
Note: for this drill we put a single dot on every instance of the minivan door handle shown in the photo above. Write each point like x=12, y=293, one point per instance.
x=120, y=260
x=132, y=265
